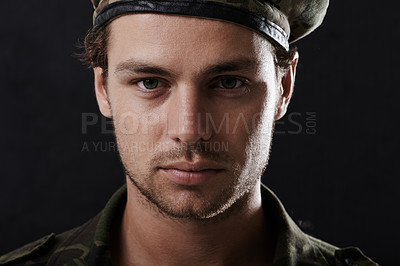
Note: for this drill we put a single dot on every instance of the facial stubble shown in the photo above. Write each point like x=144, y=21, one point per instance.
x=227, y=199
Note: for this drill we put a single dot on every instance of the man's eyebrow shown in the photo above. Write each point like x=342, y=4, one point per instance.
x=134, y=67
x=240, y=64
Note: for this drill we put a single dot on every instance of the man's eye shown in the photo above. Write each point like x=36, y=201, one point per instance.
x=230, y=83
x=148, y=84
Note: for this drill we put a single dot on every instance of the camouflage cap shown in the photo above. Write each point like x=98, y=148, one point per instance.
x=282, y=21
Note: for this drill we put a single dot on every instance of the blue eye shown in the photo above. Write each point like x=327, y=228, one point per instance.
x=148, y=84
x=230, y=83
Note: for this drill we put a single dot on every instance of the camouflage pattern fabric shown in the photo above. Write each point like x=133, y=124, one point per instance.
x=89, y=243
x=296, y=17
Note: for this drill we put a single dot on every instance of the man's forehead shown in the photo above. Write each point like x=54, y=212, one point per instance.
x=280, y=21
x=136, y=38
x=156, y=26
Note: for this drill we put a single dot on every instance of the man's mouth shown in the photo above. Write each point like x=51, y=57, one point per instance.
x=191, y=173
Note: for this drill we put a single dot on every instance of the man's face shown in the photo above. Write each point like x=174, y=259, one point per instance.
x=193, y=102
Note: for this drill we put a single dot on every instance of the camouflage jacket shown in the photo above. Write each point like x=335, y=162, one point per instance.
x=89, y=244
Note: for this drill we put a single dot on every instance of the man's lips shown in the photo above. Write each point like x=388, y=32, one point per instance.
x=191, y=174
x=194, y=166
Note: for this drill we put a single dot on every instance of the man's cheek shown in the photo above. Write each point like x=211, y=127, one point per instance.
x=127, y=123
x=149, y=123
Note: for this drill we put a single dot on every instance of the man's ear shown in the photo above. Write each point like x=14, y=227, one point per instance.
x=286, y=88
x=101, y=92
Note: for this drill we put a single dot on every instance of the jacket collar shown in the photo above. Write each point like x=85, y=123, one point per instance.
x=100, y=254
x=293, y=247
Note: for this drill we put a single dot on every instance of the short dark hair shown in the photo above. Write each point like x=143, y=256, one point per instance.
x=96, y=42
x=95, y=48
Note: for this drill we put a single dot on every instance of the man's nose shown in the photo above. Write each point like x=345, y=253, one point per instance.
x=187, y=110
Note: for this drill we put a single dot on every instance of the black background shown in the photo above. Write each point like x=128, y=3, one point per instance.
x=340, y=183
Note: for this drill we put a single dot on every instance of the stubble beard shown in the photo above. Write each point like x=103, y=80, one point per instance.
x=225, y=201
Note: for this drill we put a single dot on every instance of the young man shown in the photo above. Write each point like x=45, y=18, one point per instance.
x=193, y=89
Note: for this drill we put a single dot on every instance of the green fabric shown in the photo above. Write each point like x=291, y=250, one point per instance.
x=296, y=17
x=89, y=243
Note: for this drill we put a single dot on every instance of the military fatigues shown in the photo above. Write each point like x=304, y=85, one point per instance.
x=89, y=244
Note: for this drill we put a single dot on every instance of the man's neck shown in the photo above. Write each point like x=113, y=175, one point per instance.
x=237, y=237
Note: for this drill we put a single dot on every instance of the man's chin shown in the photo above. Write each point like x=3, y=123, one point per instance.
x=192, y=205
x=186, y=202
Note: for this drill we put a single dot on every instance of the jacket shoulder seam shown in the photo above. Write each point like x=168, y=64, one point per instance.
x=27, y=250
